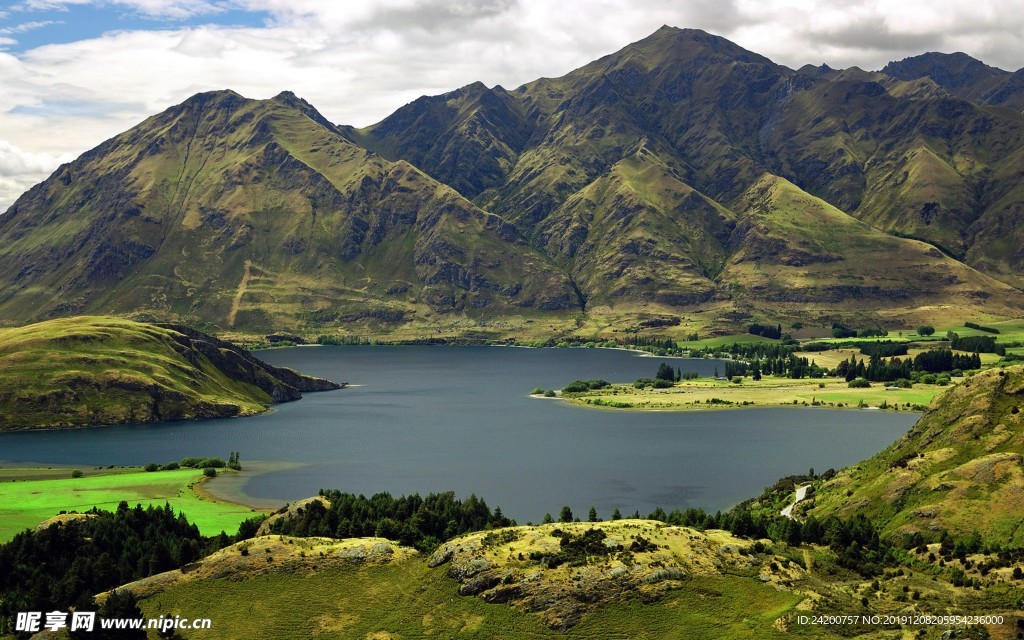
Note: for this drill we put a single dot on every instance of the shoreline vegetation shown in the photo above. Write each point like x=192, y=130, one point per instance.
x=855, y=369
x=709, y=394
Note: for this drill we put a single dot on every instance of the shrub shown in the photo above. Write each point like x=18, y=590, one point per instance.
x=550, y=393
x=662, y=384
x=202, y=463
x=579, y=386
x=170, y=466
x=974, y=325
x=210, y=472
x=77, y=473
x=737, y=379
x=152, y=466
x=859, y=383
x=537, y=391
x=841, y=331
x=925, y=330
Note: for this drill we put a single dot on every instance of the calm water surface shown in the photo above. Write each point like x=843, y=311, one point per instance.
x=459, y=418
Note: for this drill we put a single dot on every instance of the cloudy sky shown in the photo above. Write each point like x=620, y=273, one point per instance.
x=75, y=72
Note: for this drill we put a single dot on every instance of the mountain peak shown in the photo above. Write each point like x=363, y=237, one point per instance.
x=217, y=99
x=687, y=44
x=949, y=70
x=289, y=99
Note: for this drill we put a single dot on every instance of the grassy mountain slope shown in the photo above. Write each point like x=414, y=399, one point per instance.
x=799, y=252
x=930, y=166
x=258, y=214
x=637, y=171
x=703, y=581
x=959, y=468
x=92, y=371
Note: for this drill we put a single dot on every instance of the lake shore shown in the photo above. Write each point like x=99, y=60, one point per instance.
x=230, y=487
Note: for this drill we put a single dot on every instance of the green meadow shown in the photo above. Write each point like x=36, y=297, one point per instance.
x=26, y=499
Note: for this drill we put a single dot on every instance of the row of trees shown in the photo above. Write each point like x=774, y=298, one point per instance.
x=842, y=331
x=931, y=361
x=668, y=374
x=789, y=366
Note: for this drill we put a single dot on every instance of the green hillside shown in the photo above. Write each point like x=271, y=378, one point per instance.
x=258, y=215
x=958, y=469
x=96, y=370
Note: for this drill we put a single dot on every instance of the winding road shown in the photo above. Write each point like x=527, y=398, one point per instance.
x=801, y=493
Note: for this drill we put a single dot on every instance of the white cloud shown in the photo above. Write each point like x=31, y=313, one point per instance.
x=27, y=26
x=172, y=9
x=359, y=60
x=20, y=169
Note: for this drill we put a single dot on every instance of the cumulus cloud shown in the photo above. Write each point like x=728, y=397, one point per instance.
x=20, y=169
x=359, y=60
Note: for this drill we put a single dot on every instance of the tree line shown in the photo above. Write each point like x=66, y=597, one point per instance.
x=931, y=361
x=65, y=564
x=414, y=521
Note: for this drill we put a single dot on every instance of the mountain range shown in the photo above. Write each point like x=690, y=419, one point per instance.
x=681, y=175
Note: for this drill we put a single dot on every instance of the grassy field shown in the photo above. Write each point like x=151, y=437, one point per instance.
x=30, y=496
x=702, y=394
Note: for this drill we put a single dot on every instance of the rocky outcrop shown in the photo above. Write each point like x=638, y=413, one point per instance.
x=280, y=383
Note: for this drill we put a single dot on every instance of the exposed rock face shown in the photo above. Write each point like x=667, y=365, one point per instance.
x=280, y=383
x=563, y=571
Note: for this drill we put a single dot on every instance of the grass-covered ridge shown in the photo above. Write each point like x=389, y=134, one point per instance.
x=370, y=588
x=98, y=370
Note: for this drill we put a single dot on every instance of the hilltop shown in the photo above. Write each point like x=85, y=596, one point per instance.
x=95, y=370
x=487, y=583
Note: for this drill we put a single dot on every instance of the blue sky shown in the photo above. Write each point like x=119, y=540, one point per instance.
x=76, y=72
x=26, y=25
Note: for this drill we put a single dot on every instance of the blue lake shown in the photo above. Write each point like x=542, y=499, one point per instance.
x=428, y=419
